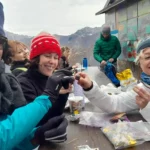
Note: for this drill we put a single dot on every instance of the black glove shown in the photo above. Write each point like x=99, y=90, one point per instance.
x=54, y=130
x=57, y=108
x=69, y=68
x=58, y=79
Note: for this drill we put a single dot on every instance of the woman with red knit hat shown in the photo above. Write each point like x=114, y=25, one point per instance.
x=44, y=57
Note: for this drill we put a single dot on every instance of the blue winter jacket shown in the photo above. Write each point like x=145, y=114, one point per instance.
x=17, y=130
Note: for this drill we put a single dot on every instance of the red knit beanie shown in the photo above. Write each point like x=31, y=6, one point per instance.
x=44, y=43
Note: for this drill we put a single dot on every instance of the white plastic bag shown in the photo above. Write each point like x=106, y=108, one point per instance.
x=95, y=119
x=127, y=134
x=86, y=147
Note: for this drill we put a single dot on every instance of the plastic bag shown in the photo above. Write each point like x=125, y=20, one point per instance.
x=110, y=72
x=86, y=147
x=95, y=119
x=127, y=80
x=127, y=134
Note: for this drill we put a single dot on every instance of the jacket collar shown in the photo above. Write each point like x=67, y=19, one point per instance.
x=36, y=74
x=102, y=38
x=17, y=64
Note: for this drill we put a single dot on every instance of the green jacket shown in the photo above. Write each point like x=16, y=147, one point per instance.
x=106, y=49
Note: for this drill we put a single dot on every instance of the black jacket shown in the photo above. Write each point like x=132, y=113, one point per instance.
x=18, y=67
x=11, y=95
x=33, y=84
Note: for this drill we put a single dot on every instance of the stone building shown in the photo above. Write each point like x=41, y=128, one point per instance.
x=132, y=20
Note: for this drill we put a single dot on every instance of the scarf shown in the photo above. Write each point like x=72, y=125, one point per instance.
x=145, y=78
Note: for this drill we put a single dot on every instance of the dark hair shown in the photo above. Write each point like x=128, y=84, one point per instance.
x=7, y=54
x=3, y=40
x=34, y=63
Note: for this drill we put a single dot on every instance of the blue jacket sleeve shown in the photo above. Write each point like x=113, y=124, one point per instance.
x=26, y=143
x=15, y=128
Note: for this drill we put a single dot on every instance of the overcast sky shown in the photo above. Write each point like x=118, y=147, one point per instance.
x=55, y=16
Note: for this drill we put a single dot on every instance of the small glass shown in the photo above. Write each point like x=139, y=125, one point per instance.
x=75, y=104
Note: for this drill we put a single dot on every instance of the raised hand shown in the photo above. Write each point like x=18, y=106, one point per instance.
x=84, y=80
x=142, y=98
x=103, y=63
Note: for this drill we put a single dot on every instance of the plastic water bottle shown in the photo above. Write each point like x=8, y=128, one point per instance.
x=85, y=63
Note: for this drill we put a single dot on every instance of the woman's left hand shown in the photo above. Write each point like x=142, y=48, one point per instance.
x=142, y=98
x=65, y=91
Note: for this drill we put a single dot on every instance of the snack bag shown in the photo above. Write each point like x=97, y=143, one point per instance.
x=127, y=80
x=127, y=134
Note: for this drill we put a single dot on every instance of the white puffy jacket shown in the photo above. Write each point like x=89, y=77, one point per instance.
x=123, y=102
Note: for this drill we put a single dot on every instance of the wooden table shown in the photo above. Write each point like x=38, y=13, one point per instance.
x=83, y=135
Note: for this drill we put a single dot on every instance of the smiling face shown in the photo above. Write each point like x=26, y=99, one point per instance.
x=145, y=61
x=48, y=63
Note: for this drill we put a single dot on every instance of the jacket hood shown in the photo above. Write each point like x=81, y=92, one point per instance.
x=11, y=95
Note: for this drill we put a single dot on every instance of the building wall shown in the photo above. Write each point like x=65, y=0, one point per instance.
x=132, y=20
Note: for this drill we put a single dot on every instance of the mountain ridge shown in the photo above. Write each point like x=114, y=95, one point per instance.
x=81, y=43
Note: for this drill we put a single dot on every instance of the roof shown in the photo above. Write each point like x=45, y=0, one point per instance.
x=109, y=6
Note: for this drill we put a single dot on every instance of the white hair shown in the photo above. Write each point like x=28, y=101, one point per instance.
x=137, y=59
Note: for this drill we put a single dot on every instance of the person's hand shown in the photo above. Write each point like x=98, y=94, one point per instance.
x=60, y=78
x=54, y=131
x=111, y=60
x=74, y=66
x=84, y=80
x=142, y=98
x=65, y=91
x=103, y=63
